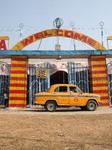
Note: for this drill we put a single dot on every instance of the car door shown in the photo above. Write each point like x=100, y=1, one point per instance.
x=61, y=93
x=73, y=96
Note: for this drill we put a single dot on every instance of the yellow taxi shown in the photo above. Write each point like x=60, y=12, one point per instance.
x=66, y=95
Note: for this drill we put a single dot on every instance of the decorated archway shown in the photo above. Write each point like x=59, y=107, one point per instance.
x=19, y=66
x=58, y=32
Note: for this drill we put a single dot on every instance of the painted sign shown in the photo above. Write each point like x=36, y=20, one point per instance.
x=3, y=43
x=41, y=73
x=109, y=38
x=58, y=32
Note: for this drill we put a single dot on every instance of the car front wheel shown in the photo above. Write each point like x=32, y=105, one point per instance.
x=50, y=106
x=91, y=105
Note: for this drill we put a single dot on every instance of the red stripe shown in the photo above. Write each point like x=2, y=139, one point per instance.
x=19, y=59
x=99, y=84
x=19, y=65
x=17, y=105
x=17, y=98
x=98, y=65
x=17, y=85
x=18, y=78
x=18, y=91
x=18, y=71
x=98, y=59
x=104, y=104
x=105, y=98
x=99, y=78
x=100, y=91
x=99, y=72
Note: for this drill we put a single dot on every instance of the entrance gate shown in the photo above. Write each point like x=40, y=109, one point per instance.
x=109, y=72
x=4, y=81
x=39, y=78
x=78, y=74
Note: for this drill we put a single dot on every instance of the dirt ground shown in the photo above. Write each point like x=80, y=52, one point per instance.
x=61, y=130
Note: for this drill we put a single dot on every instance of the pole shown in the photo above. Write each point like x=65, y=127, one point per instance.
x=72, y=24
x=21, y=34
x=101, y=25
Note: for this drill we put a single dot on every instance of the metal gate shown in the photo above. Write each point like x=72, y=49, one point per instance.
x=38, y=80
x=109, y=72
x=78, y=74
x=4, y=81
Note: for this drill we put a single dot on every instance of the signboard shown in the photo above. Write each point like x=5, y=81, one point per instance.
x=41, y=73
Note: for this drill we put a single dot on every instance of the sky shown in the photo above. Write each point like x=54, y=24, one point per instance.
x=38, y=15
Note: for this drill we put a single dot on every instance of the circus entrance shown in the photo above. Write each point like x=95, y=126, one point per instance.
x=41, y=76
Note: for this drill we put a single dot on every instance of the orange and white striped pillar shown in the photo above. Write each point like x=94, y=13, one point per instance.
x=98, y=78
x=18, y=81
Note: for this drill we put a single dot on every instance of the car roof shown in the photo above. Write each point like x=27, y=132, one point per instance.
x=57, y=85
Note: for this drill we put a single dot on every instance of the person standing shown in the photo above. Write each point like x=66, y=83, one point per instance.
x=6, y=99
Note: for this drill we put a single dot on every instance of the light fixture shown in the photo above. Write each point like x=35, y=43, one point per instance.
x=59, y=57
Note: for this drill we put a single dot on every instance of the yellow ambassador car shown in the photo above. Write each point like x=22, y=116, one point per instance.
x=66, y=95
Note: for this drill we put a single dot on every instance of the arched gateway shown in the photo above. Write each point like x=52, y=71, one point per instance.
x=19, y=67
x=58, y=32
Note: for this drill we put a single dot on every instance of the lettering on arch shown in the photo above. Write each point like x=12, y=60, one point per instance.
x=58, y=32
